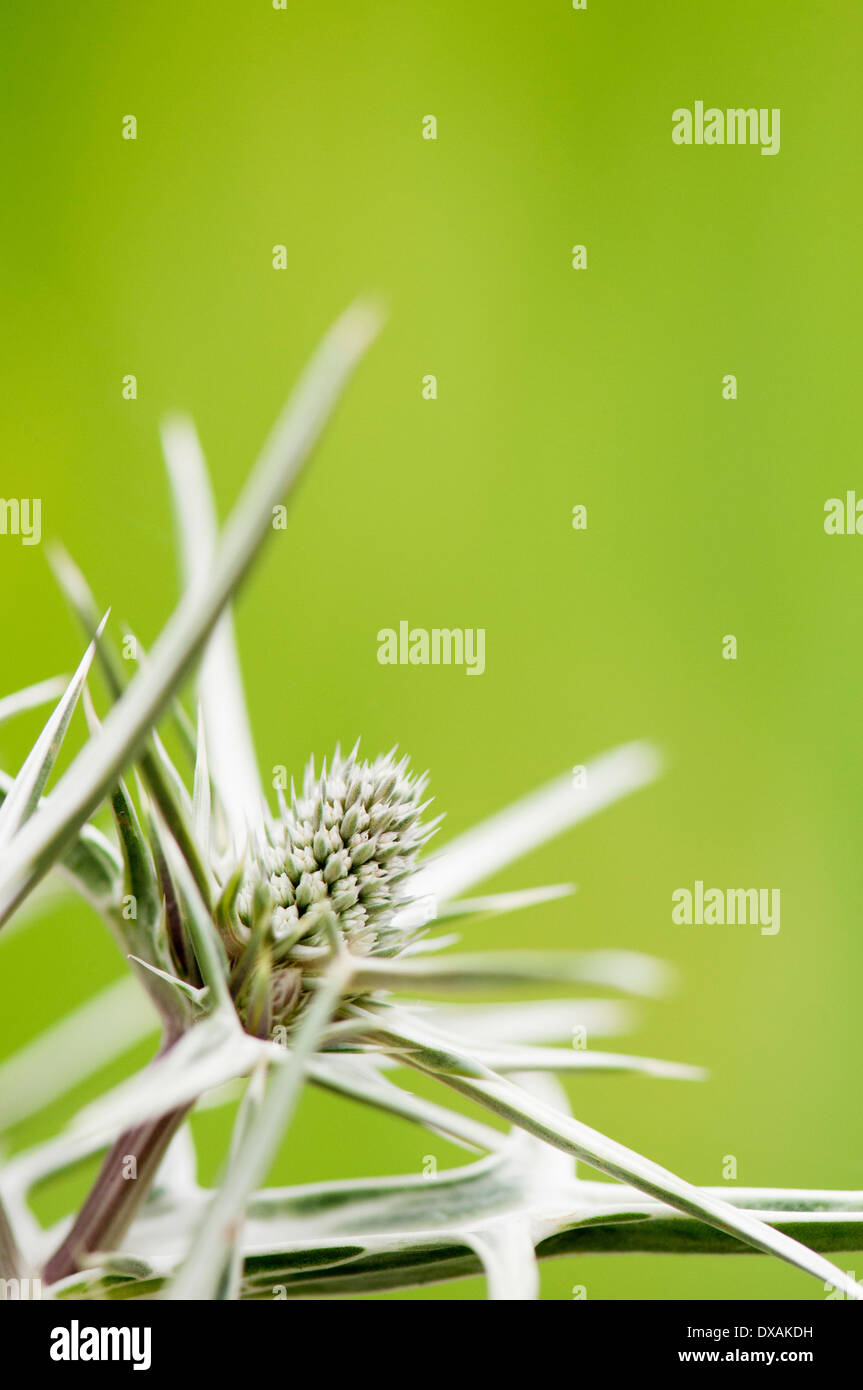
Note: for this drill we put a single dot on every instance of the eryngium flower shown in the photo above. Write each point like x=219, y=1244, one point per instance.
x=345, y=849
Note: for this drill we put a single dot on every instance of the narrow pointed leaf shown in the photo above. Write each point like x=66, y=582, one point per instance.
x=560, y=1059
x=23, y=796
x=530, y=1020
x=350, y=1076
x=160, y=775
x=196, y=995
x=538, y=817
x=411, y=1035
x=97, y=766
x=65, y=1054
x=201, y=800
x=518, y=1107
x=213, y=1051
x=229, y=736
x=31, y=697
x=494, y=904
x=140, y=872
x=209, y=952
x=624, y=970
x=91, y=863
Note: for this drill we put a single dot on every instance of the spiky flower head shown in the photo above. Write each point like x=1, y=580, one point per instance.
x=345, y=849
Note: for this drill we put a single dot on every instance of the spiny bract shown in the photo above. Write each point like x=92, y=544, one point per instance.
x=302, y=902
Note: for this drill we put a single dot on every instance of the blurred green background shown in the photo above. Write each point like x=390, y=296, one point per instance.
x=556, y=387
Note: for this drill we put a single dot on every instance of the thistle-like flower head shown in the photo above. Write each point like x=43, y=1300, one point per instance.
x=297, y=901
x=344, y=849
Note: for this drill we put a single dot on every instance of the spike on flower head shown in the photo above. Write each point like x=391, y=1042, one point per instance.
x=344, y=849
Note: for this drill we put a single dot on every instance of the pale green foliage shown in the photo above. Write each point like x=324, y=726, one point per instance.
x=278, y=947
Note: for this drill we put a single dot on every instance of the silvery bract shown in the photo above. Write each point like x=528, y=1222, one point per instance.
x=277, y=939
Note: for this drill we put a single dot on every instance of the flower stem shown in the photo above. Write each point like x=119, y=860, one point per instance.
x=214, y=1247
x=115, y=1197
x=11, y=1262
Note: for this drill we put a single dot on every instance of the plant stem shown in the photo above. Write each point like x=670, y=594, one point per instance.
x=115, y=1198
x=11, y=1262
x=213, y=1247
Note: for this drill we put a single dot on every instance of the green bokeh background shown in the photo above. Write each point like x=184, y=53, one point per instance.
x=556, y=387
